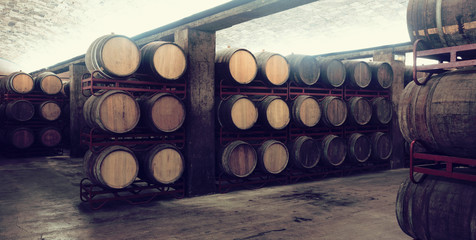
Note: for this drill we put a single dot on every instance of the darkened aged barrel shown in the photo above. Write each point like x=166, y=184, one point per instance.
x=19, y=137
x=113, y=56
x=163, y=164
x=360, y=110
x=359, y=147
x=18, y=110
x=49, y=110
x=273, y=156
x=305, y=152
x=237, y=112
x=49, y=136
x=163, y=112
x=437, y=208
x=333, y=72
x=48, y=83
x=382, y=75
x=113, y=111
x=272, y=68
x=274, y=112
x=305, y=111
x=382, y=110
x=305, y=70
x=334, y=111
x=236, y=65
x=17, y=82
x=359, y=74
x=334, y=150
x=441, y=113
x=238, y=159
x=163, y=60
x=442, y=23
x=381, y=146
x=113, y=167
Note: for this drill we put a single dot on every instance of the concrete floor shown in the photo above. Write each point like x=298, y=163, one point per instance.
x=39, y=199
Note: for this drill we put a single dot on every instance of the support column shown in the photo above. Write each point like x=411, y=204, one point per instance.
x=199, y=46
x=76, y=101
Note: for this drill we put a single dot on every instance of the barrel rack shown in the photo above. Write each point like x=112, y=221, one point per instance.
x=433, y=163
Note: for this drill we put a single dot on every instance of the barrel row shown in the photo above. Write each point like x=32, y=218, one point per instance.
x=239, y=158
x=117, y=166
x=46, y=83
x=24, y=110
x=240, y=66
x=242, y=113
x=23, y=137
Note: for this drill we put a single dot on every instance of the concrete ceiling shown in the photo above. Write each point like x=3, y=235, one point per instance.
x=40, y=33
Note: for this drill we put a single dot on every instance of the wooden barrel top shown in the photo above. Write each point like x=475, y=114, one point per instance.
x=118, y=169
x=277, y=69
x=50, y=111
x=167, y=165
x=51, y=84
x=361, y=74
x=242, y=160
x=22, y=83
x=170, y=61
x=336, y=111
x=275, y=157
x=243, y=66
x=50, y=137
x=22, y=138
x=277, y=114
x=119, y=112
x=310, y=112
x=360, y=110
x=120, y=56
x=244, y=113
x=168, y=113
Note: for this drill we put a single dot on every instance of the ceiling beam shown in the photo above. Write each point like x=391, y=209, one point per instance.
x=400, y=48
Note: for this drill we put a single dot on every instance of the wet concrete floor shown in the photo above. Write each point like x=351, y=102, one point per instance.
x=39, y=200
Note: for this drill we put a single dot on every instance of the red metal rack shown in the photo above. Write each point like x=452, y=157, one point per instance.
x=318, y=92
x=253, y=89
x=366, y=93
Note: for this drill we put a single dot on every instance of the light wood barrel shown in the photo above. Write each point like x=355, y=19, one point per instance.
x=305, y=70
x=333, y=72
x=113, y=56
x=306, y=111
x=17, y=82
x=19, y=137
x=273, y=156
x=359, y=74
x=113, y=111
x=237, y=65
x=382, y=75
x=49, y=136
x=274, y=112
x=163, y=60
x=359, y=148
x=19, y=110
x=305, y=152
x=163, y=112
x=273, y=68
x=334, y=150
x=237, y=112
x=360, y=110
x=334, y=111
x=238, y=159
x=49, y=110
x=114, y=167
x=48, y=83
x=382, y=110
x=163, y=164
x=381, y=146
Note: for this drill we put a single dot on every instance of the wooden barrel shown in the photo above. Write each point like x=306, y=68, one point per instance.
x=238, y=159
x=48, y=83
x=274, y=112
x=437, y=208
x=334, y=150
x=273, y=156
x=382, y=110
x=237, y=112
x=305, y=152
x=359, y=148
x=163, y=164
x=272, y=68
x=115, y=56
x=359, y=74
x=17, y=82
x=236, y=65
x=49, y=110
x=66, y=88
x=441, y=113
x=305, y=111
x=381, y=146
x=19, y=110
x=19, y=137
x=49, y=136
x=382, y=75
x=162, y=112
x=163, y=60
x=334, y=111
x=305, y=70
x=113, y=111
x=442, y=23
x=333, y=72
x=360, y=110
x=113, y=167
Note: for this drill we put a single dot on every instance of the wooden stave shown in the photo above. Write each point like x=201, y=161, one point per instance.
x=355, y=117
x=48, y=130
x=222, y=68
x=295, y=111
x=324, y=104
x=47, y=118
x=377, y=69
x=261, y=156
x=6, y=84
x=8, y=110
x=296, y=61
x=326, y=147
x=147, y=53
x=146, y=104
x=296, y=156
x=262, y=59
x=146, y=164
x=328, y=76
x=377, y=109
x=38, y=81
x=8, y=137
x=263, y=107
x=375, y=138
x=351, y=80
x=352, y=152
x=224, y=112
x=225, y=154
